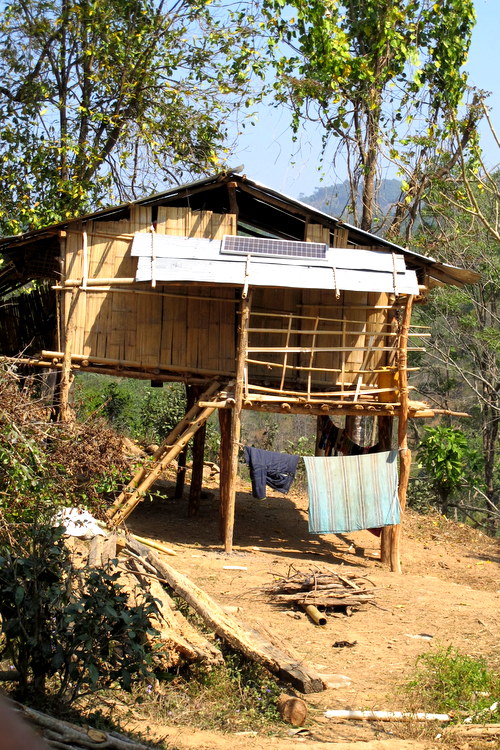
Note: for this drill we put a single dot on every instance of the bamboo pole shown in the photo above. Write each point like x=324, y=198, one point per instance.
x=66, y=376
x=245, y=308
x=404, y=452
x=285, y=358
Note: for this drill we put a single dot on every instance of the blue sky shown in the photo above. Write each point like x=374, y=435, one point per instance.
x=266, y=149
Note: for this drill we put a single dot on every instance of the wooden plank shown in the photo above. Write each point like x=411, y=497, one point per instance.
x=252, y=644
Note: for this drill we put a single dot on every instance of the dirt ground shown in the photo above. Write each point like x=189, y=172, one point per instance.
x=450, y=591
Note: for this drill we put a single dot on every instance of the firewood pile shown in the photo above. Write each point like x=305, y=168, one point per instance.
x=321, y=588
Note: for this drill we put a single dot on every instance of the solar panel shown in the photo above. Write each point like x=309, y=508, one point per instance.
x=272, y=247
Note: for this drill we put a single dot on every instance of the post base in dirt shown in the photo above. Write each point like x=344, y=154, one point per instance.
x=225, y=450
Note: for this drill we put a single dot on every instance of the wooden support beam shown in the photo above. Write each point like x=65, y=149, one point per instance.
x=385, y=427
x=404, y=452
x=197, y=470
x=225, y=424
x=249, y=642
x=245, y=308
x=181, y=461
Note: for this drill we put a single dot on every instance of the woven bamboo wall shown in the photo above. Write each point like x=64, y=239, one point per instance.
x=354, y=321
x=116, y=320
x=193, y=328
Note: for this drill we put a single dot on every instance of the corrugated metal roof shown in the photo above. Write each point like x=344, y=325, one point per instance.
x=440, y=271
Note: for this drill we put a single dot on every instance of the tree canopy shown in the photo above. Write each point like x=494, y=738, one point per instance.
x=381, y=76
x=102, y=100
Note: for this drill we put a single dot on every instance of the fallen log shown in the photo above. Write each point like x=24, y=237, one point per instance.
x=474, y=730
x=385, y=715
x=248, y=642
x=172, y=625
x=63, y=734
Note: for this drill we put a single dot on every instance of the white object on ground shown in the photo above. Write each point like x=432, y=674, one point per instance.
x=79, y=523
x=234, y=567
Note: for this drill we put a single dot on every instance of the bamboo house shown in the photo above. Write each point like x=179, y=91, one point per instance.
x=252, y=299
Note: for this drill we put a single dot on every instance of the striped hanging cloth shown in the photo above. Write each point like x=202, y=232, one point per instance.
x=350, y=493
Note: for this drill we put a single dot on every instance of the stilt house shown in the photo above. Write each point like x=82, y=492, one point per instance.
x=252, y=299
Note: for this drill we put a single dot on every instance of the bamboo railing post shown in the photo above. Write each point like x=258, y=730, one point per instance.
x=236, y=420
x=65, y=414
x=404, y=452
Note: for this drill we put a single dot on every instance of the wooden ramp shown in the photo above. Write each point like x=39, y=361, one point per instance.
x=173, y=444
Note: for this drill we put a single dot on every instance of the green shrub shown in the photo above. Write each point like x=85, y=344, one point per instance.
x=66, y=631
x=447, y=681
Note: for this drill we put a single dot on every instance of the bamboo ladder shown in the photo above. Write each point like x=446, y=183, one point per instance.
x=171, y=447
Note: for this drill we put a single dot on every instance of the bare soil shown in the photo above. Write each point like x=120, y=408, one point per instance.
x=450, y=590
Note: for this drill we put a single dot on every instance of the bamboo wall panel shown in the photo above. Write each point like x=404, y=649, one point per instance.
x=317, y=233
x=324, y=305
x=340, y=237
x=197, y=333
x=282, y=302
x=357, y=340
x=376, y=325
x=73, y=265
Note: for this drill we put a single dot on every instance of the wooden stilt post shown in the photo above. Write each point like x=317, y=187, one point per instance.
x=385, y=425
x=181, y=461
x=236, y=419
x=197, y=470
x=404, y=452
x=225, y=422
x=65, y=413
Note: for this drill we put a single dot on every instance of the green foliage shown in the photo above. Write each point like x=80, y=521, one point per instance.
x=447, y=681
x=135, y=409
x=461, y=225
x=100, y=101
x=380, y=76
x=66, y=631
x=445, y=454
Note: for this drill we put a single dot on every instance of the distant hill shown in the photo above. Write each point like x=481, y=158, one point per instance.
x=334, y=199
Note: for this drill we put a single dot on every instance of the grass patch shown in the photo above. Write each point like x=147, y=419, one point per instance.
x=447, y=681
x=238, y=696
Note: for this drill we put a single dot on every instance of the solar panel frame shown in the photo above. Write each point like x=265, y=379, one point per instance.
x=265, y=247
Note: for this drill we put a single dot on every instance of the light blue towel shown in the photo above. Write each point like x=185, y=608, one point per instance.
x=350, y=493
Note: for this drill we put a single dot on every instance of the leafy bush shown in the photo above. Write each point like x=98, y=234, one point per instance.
x=448, y=681
x=66, y=631
x=445, y=454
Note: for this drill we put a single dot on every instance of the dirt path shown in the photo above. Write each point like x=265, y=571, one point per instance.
x=449, y=593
